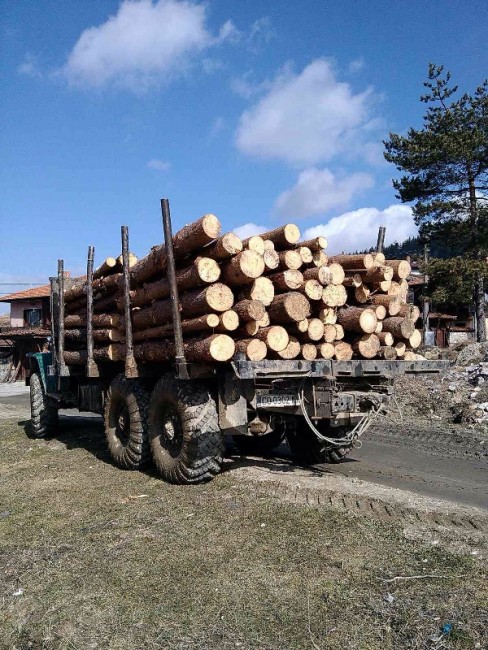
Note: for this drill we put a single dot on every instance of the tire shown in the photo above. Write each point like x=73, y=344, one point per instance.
x=306, y=449
x=44, y=414
x=186, y=442
x=125, y=419
x=259, y=445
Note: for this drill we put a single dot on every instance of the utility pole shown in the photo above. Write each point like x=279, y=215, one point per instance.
x=426, y=301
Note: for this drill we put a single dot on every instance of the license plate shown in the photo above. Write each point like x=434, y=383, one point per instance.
x=264, y=401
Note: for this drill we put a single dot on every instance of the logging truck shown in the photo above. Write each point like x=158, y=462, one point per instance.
x=175, y=361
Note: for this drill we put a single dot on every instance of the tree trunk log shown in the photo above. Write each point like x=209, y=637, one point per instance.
x=243, y=268
x=309, y=351
x=415, y=340
x=315, y=330
x=199, y=324
x=357, y=319
x=254, y=349
x=386, y=338
x=315, y=244
x=388, y=353
x=400, y=348
x=305, y=254
x=217, y=347
x=312, y=289
x=224, y=247
x=254, y=243
x=354, y=280
x=354, y=262
x=289, y=259
x=286, y=280
x=376, y=274
x=330, y=333
x=334, y=295
x=271, y=260
x=228, y=322
x=328, y=316
x=339, y=332
x=292, y=350
x=367, y=346
x=284, y=236
x=391, y=303
x=361, y=294
x=275, y=337
x=248, y=310
x=289, y=307
x=99, y=320
x=342, y=351
x=401, y=328
x=215, y=297
x=261, y=289
x=326, y=350
x=401, y=269
x=108, y=267
x=319, y=259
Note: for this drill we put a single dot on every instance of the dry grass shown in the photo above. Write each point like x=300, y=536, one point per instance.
x=120, y=560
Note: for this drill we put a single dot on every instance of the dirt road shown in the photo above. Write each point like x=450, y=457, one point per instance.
x=426, y=459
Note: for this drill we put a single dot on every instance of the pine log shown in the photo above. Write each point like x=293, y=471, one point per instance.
x=112, y=352
x=132, y=261
x=325, y=350
x=103, y=305
x=334, y=295
x=412, y=312
x=330, y=333
x=386, y=338
x=384, y=286
x=400, y=348
x=411, y=356
x=403, y=291
x=343, y=351
x=289, y=307
x=394, y=289
x=103, y=286
x=315, y=330
x=333, y=274
x=312, y=289
x=107, y=334
x=367, y=346
x=379, y=327
x=75, y=292
x=243, y=268
x=361, y=294
x=401, y=328
x=108, y=267
x=309, y=351
x=401, y=269
x=315, y=244
x=275, y=337
x=215, y=297
x=292, y=350
x=354, y=280
x=354, y=262
x=249, y=329
x=284, y=236
x=391, y=303
x=357, y=319
x=301, y=327
x=379, y=259
x=319, y=259
x=254, y=243
x=305, y=254
x=99, y=320
x=286, y=280
x=268, y=245
x=380, y=311
x=228, y=322
x=339, y=332
x=254, y=349
x=387, y=352
x=225, y=246
x=264, y=321
x=248, y=310
x=191, y=325
x=271, y=260
x=376, y=274
x=289, y=259
x=415, y=340
x=75, y=334
x=216, y=347
x=328, y=316
x=261, y=289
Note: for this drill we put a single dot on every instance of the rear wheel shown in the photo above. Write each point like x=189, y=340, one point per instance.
x=307, y=449
x=44, y=413
x=186, y=442
x=125, y=419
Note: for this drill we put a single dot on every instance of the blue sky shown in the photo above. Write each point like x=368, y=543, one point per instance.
x=261, y=112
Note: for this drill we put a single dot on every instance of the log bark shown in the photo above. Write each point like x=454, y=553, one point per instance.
x=367, y=346
x=292, y=350
x=309, y=351
x=334, y=295
x=354, y=262
x=75, y=292
x=107, y=334
x=315, y=244
x=376, y=274
x=249, y=329
x=248, y=310
x=224, y=247
x=244, y=268
x=357, y=319
x=391, y=303
x=401, y=328
x=254, y=243
x=326, y=350
x=261, y=289
x=192, y=325
x=284, y=236
x=286, y=280
x=217, y=347
x=254, y=349
x=289, y=259
x=108, y=267
x=401, y=269
x=112, y=352
x=99, y=320
x=354, y=280
x=75, y=334
x=215, y=297
x=289, y=307
x=275, y=337
x=361, y=294
x=342, y=351
x=412, y=312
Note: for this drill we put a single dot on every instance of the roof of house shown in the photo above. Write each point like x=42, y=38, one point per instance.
x=29, y=294
x=25, y=332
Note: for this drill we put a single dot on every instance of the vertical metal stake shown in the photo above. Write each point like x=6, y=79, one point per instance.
x=130, y=362
x=91, y=367
x=381, y=239
x=175, y=302
x=426, y=302
x=61, y=364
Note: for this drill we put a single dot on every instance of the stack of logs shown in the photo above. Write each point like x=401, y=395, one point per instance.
x=265, y=297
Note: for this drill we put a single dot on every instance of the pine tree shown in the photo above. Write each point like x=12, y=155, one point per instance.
x=445, y=167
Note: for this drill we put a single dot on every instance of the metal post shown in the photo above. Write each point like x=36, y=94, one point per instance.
x=54, y=304
x=425, y=303
x=180, y=360
x=381, y=239
x=130, y=362
x=61, y=364
x=91, y=366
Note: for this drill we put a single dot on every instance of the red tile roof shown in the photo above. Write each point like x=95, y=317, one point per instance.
x=29, y=294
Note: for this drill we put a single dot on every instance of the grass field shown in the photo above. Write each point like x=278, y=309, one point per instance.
x=94, y=557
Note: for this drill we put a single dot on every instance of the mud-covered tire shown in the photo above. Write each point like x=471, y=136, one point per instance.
x=307, y=449
x=187, y=444
x=125, y=419
x=259, y=445
x=44, y=414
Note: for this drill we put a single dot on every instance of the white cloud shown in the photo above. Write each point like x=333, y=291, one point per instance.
x=30, y=67
x=144, y=43
x=260, y=34
x=356, y=65
x=306, y=118
x=249, y=229
x=358, y=230
x=158, y=165
x=318, y=190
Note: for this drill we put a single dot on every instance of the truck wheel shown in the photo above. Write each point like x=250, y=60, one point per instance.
x=306, y=449
x=44, y=414
x=186, y=442
x=125, y=418
x=259, y=445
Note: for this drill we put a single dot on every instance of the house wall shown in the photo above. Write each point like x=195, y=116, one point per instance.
x=17, y=310
x=459, y=337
